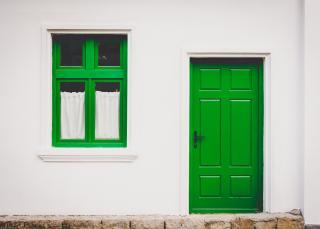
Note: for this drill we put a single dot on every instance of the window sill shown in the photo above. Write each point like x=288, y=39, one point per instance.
x=86, y=155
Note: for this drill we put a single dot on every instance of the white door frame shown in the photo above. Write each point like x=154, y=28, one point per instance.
x=184, y=125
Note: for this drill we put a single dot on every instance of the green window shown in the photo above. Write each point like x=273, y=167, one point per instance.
x=89, y=88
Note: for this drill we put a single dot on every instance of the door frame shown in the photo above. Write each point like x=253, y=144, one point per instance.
x=186, y=55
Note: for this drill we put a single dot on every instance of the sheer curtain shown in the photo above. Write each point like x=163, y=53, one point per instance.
x=107, y=115
x=72, y=115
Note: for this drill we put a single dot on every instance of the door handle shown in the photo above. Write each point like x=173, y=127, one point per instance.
x=196, y=138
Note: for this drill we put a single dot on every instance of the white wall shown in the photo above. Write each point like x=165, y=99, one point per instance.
x=312, y=112
x=161, y=29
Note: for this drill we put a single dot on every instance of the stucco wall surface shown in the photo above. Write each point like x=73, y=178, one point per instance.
x=312, y=112
x=161, y=30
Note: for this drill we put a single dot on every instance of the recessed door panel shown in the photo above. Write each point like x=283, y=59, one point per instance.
x=210, y=79
x=210, y=186
x=241, y=128
x=210, y=119
x=241, y=79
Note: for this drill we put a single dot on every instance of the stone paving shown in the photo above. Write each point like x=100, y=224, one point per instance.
x=210, y=221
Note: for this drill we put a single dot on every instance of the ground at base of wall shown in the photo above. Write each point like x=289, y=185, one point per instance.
x=312, y=226
x=212, y=221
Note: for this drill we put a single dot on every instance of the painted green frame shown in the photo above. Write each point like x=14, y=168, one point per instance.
x=89, y=73
x=260, y=141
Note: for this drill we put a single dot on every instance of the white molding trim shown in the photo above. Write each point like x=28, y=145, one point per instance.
x=86, y=158
x=52, y=154
x=203, y=52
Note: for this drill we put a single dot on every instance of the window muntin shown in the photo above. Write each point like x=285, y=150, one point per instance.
x=98, y=87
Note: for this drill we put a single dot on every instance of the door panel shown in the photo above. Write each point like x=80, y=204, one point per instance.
x=210, y=79
x=211, y=129
x=226, y=152
x=241, y=138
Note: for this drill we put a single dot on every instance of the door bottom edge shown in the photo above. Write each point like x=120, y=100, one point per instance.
x=223, y=210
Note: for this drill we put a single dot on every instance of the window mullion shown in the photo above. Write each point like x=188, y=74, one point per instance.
x=89, y=65
x=89, y=107
x=89, y=53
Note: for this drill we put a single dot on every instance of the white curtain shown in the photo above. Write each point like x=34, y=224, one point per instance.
x=72, y=115
x=107, y=115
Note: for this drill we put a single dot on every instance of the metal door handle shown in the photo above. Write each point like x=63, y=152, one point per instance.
x=196, y=138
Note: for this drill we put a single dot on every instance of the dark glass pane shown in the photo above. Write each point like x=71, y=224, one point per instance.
x=71, y=50
x=72, y=87
x=109, y=54
x=107, y=86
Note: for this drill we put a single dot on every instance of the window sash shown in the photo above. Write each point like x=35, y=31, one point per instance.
x=90, y=63
x=89, y=73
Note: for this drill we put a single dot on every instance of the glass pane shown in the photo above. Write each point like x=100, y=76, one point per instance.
x=71, y=50
x=109, y=54
x=72, y=109
x=107, y=111
x=72, y=87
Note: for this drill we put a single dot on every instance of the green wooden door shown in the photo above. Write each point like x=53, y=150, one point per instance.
x=226, y=121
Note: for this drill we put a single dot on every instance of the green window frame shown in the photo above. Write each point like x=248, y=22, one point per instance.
x=89, y=73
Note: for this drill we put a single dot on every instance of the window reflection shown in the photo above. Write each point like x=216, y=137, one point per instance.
x=109, y=54
x=71, y=50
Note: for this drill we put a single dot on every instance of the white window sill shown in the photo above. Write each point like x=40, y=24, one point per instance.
x=86, y=155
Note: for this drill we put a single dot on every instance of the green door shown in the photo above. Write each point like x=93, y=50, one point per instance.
x=226, y=132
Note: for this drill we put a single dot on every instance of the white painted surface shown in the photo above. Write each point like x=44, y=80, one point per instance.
x=161, y=29
x=87, y=158
x=312, y=112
